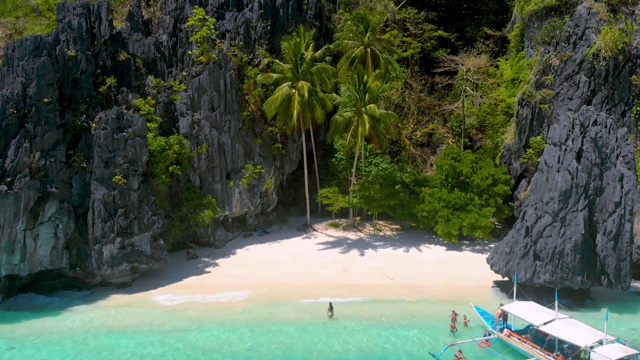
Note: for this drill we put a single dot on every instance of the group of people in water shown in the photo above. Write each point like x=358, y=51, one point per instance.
x=454, y=319
x=499, y=315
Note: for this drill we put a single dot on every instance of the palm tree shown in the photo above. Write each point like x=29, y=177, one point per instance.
x=363, y=45
x=359, y=117
x=299, y=100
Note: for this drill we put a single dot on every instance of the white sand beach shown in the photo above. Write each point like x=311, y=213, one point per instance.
x=287, y=264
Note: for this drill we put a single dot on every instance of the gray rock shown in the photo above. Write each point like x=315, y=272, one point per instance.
x=63, y=141
x=575, y=213
x=123, y=222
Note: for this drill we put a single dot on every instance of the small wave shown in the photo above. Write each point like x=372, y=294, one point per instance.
x=222, y=297
x=336, y=300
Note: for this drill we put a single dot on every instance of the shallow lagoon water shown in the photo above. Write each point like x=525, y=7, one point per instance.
x=230, y=326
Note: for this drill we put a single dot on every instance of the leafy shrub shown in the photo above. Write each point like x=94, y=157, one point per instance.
x=332, y=197
x=250, y=173
x=205, y=36
x=120, y=180
x=612, y=39
x=531, y=157
x=465, y=196
x=192, y=211
x=168, y=155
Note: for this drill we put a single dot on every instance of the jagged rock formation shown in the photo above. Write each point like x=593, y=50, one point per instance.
x=576, y=211
x=65, y=137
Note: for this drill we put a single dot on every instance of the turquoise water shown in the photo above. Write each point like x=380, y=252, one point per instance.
x=77, y=326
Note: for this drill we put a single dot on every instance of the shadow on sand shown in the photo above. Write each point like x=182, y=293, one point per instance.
x=31, y=306
x=399, y=238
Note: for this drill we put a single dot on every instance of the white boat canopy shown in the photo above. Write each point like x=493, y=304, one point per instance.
x=575, y=332
x=615, y=351
x=531, y=312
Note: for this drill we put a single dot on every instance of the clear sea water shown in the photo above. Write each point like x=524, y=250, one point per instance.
x=83, y=326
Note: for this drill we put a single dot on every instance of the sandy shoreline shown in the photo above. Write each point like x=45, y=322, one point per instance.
x=287, y=264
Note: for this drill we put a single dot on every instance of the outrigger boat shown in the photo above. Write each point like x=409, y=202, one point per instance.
x=550, y=335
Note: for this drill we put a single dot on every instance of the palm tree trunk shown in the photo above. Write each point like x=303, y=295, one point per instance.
x=364, y=153
x=464, y=120
x=353, y=182
x=315, y=163
x=306, y=176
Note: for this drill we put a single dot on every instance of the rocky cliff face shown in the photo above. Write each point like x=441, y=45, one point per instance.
x=576, y=210
x=68, y=130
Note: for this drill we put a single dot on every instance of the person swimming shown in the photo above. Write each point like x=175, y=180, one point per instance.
x=330, y=311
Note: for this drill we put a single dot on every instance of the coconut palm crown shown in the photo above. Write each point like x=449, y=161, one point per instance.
x=361, y=41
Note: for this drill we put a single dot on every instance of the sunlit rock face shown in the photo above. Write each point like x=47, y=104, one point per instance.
x=576, y=210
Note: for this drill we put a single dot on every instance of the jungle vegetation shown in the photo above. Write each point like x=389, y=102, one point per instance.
x=418, y=107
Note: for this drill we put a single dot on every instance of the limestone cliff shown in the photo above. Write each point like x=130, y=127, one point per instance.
x=68, y=129
x=576, y=210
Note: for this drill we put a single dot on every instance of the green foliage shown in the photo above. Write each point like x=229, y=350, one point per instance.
x=516, y=38
x=497, y=112
x=154, y=85
x=333, y=199
x=123, y=56
x=119, y=10
x=205, y=36
x=531, y=157
x=636, y=148
x=168, y=155
x=465, y=196
x=76, y=159
x=298, y=100
x=26, y=17
x=385, y=185
x=635, y=111
x=202, y=149
x=253, y=94
x=250, y=174
x=414, y=38
x=178, y=86
x=388, y=187
x=120, y=180
x=268, y=184
x=334, y=224
x=146, y=109
x=526, y=7
x=612, y=40
x=361, y=41
x=551, y=33
x=193, y=210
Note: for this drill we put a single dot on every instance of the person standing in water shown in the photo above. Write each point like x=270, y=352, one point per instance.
x=454, y=316
x=330, y=311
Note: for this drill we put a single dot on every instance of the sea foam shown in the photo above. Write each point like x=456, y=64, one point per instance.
x=171, y=299
x=336, y=300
